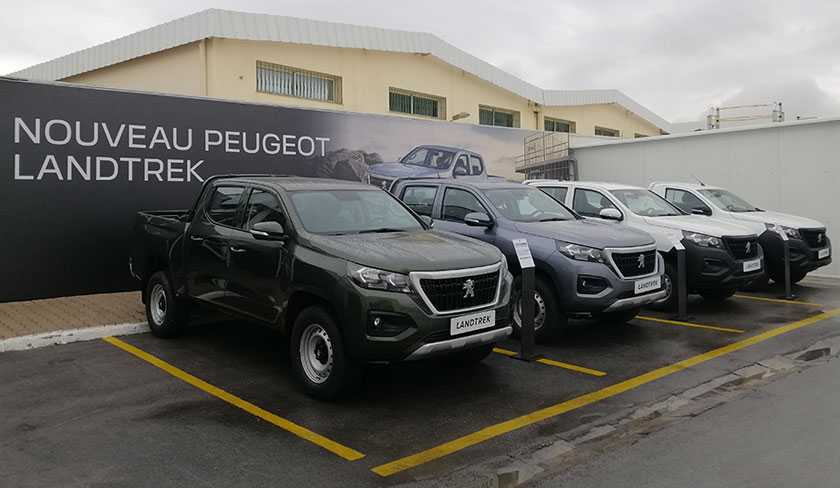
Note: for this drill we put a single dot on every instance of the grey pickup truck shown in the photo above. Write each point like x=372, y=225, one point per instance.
x=583, y=268
x=347, y=270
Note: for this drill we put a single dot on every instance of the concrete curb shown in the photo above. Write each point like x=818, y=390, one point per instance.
x=35, y=341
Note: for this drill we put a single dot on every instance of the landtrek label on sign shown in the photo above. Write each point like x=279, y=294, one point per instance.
x=69, y=167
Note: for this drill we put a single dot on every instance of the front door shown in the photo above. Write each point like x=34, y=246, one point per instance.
x=457, y=203
x=260, y=269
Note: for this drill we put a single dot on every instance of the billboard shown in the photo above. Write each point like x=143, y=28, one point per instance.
x=77, y=164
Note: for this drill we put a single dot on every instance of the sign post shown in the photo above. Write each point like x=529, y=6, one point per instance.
x=786, y=245
x=526, y=311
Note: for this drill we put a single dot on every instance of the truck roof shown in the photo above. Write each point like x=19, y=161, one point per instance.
x=604, y=185
x=293, y=183
x=479, y=184
x=448, y=148
x=693, y=186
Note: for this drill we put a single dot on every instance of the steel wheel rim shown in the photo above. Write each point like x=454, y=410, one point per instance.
x=669, y=288
x=539, y=311
x=316, y=353
x=158, y=304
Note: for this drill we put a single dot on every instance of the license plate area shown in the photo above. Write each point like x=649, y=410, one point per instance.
x=824, y=253
x=647, y=284
x=472, y=322
x=753, y=265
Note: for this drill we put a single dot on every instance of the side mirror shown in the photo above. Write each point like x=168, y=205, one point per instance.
x=478, y=219
x=459, y=171
x=701, y=211
x=610, y=214
x=268, y=231
x=430, y=223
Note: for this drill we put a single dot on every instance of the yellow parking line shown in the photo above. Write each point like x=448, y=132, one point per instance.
x=778, y=300
x=557, y=364
x=502, y=428
x=690, y=324
x=287, y=425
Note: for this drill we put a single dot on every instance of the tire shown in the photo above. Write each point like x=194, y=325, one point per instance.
x=795, y=277
x=470, y=356
x=319, y=359
x=547, y=315
x=669, y=303
x=166, y=314
x=717, y=295
x=620, y=317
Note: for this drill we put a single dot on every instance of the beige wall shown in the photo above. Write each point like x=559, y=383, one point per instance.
x=178, y=70
x=226, y=68
x=612, y=116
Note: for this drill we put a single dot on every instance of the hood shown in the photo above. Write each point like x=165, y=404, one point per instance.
x=587, y=232
x=770, y=217
x=399, y=170
x=403, y=252
x=702, y=225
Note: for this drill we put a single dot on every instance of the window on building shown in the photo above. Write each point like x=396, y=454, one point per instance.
x=497, y=116
x=293, y=82
x=407, y=102
x=558, y=125
x=604, y=131
x=639, y=136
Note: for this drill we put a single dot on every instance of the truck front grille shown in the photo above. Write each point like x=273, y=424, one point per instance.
x=814, y=237
x=742, y=247
x=448, y=294
x=635, y=263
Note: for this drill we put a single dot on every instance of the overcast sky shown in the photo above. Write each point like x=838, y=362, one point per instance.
x=676, y=57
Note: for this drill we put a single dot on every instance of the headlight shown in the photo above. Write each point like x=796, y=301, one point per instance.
x=376, y=279
x=703, y=239
x=782, y=229
x=581, y=253
x=504, y=269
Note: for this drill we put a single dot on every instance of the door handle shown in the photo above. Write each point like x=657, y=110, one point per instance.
x=237, y=249
x=196, y=238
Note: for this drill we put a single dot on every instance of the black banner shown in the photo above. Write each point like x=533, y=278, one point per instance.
x=77, y=163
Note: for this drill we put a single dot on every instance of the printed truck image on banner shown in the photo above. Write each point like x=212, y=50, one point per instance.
x=78, y=162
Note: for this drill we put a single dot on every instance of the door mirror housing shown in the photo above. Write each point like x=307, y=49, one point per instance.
x=478, y=219
x=701, y=211
x=268, y=231
x=430, y=222
x=610, y=214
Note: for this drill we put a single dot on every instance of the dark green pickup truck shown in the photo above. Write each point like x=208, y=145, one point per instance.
x=346, y=269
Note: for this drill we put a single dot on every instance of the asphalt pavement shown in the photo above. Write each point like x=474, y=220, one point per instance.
x=782, y=434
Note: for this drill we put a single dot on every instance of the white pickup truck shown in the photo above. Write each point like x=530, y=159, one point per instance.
x=810, y=247
x=721, y=256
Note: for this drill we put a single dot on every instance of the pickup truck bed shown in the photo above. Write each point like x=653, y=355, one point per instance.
x=158, y=241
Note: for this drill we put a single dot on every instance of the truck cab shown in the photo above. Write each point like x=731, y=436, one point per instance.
x=430, y=161
x=584, y=268
x=721, y=256
x=810, y=247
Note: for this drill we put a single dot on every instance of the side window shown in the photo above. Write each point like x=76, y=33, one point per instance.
x=223, y=207
x=262, y=207
x=476, y=166
x=556, y=192
x=458, y=203
x=589, y=203
x=684, y=200
x=461, y=164
x=421, y=199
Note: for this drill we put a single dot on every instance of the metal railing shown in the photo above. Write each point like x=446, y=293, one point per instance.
x=541, y=148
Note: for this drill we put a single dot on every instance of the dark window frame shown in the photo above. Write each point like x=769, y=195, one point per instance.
x=239, y=206
x=464, y=190
x=598, y=216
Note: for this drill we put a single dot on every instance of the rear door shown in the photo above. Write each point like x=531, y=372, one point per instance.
x=260, y=269
x=207, y=243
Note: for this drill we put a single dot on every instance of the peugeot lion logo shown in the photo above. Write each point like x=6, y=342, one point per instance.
x=819, y=238
x=469, y=289
x=641, y=261
x=749, y=246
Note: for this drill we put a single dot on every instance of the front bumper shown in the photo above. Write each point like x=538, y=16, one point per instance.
x=712, y=268
x=803, y=258
x=418, y=331
x=620, y=293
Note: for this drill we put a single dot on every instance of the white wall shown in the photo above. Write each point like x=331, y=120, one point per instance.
x=792, y=167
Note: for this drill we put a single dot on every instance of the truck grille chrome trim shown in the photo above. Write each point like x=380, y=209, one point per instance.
x=625, y=261
x=477, y=277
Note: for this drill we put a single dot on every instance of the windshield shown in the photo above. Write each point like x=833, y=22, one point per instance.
x=527, y=205
x=338, y=212
x=429, y=158
x=645, y=203
x=726, y=200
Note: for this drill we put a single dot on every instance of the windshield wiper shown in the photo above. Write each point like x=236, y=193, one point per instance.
x=553, y=219
x=380, y=230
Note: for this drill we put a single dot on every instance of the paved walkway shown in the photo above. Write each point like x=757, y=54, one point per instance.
x=39, y=316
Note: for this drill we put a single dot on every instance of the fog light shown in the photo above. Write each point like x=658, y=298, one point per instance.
x=377, y=322
x=591, y=285
x=388, y=324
